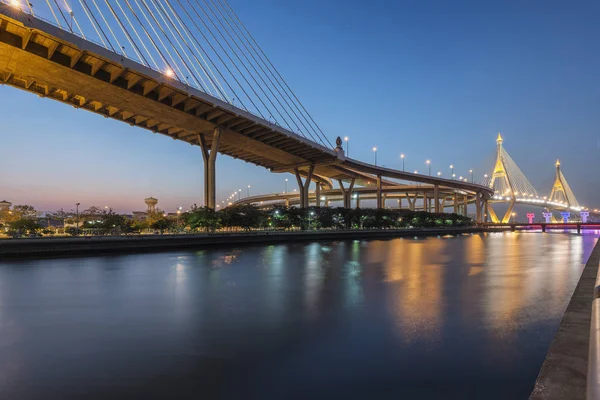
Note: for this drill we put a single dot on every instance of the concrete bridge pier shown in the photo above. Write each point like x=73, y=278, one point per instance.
x=411, y=202
x=318, y=195
x=303, y=187
x=455, y=201
x=209, y=155
x=347, y=192
x=478, y=205
x=436, y=198
x=379, y=197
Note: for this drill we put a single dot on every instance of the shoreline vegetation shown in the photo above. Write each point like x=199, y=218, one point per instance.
x=23, y=221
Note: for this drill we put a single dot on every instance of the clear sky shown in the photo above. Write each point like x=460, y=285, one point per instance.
x=432, y=79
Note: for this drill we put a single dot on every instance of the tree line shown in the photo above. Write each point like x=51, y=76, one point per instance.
x=25, y=220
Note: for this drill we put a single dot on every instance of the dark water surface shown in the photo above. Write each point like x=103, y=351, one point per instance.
x=437, y=318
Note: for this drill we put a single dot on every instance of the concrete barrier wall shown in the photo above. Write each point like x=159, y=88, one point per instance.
x=94, y=245
x=564, y=372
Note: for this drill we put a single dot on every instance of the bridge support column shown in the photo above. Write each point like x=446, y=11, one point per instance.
x=465, y=205
x=436, y=198
x=455, y=201
x=318, y=195
x=478, y=207
x=379, y=199
x=411, y=202
x=347, y=192
x=303, y=187
x=357, y=201
x=209, y=155
x=425, y=202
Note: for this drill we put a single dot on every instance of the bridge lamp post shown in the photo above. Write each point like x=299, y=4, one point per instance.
x=286, y=181
x=239, y=194
x=375, y=154
x=513, y=217
x=439, y=174
x=485, y=177
x=248, y=191
x=347, y=139
x=402, y=157
x=472, y=176
x=428, y=162
x=453, y=176
x=452, y=170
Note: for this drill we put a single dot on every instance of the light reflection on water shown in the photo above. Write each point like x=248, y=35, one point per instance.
x=441, y=317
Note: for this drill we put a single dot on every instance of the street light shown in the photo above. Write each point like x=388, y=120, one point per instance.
x=248, y=192
x=453, y=176
x=452, y=170
x=472, y=178
x=513, y=217
x=346, y=139
x=375, y=153
x=428, y=162
x=402, y=157
x=439, y=173
x=485, y=176
x=286, y=181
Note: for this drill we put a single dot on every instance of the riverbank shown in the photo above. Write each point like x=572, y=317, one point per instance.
x=50, y=247
x=564, y=372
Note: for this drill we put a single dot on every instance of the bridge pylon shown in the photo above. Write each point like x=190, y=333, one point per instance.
x=561, y=191
x=508, y=182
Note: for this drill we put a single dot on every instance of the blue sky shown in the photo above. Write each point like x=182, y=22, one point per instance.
x=432, y=79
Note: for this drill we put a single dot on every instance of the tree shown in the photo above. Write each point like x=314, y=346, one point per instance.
x=202, y=218
x=24, y=212
x=24, y=226
x=162, y=225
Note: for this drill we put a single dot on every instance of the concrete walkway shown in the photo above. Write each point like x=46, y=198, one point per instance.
x=564, y=371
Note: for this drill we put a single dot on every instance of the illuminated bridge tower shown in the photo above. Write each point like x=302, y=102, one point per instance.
x=561, y=191
x=509, y=183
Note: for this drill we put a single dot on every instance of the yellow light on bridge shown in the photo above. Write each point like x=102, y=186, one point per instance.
x=15, y=3
x=169, y=72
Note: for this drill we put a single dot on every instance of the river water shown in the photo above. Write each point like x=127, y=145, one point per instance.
x=436, y=318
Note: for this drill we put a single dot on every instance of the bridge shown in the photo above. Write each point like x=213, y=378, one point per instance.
x=512, y=187
x=508, y=182
x=193, y=72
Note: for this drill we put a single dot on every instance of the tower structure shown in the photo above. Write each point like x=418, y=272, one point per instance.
x=508, y=182
x=151, y=202
x=561, y=191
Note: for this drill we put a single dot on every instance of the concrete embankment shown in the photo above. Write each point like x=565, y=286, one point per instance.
x=564, y=372
x=15, y=248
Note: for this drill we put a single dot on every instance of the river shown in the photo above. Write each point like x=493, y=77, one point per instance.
x=431, y=318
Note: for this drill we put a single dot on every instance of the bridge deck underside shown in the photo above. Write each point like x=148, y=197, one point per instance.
x=42, y=59
x=32, y=60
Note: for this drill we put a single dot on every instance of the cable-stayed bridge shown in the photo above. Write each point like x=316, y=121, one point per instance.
x=512, y=187
x=190, y=70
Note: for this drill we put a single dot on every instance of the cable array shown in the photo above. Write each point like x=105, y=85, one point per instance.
x=201, y=43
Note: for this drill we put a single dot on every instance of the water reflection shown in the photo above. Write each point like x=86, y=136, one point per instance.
x=440, y=317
